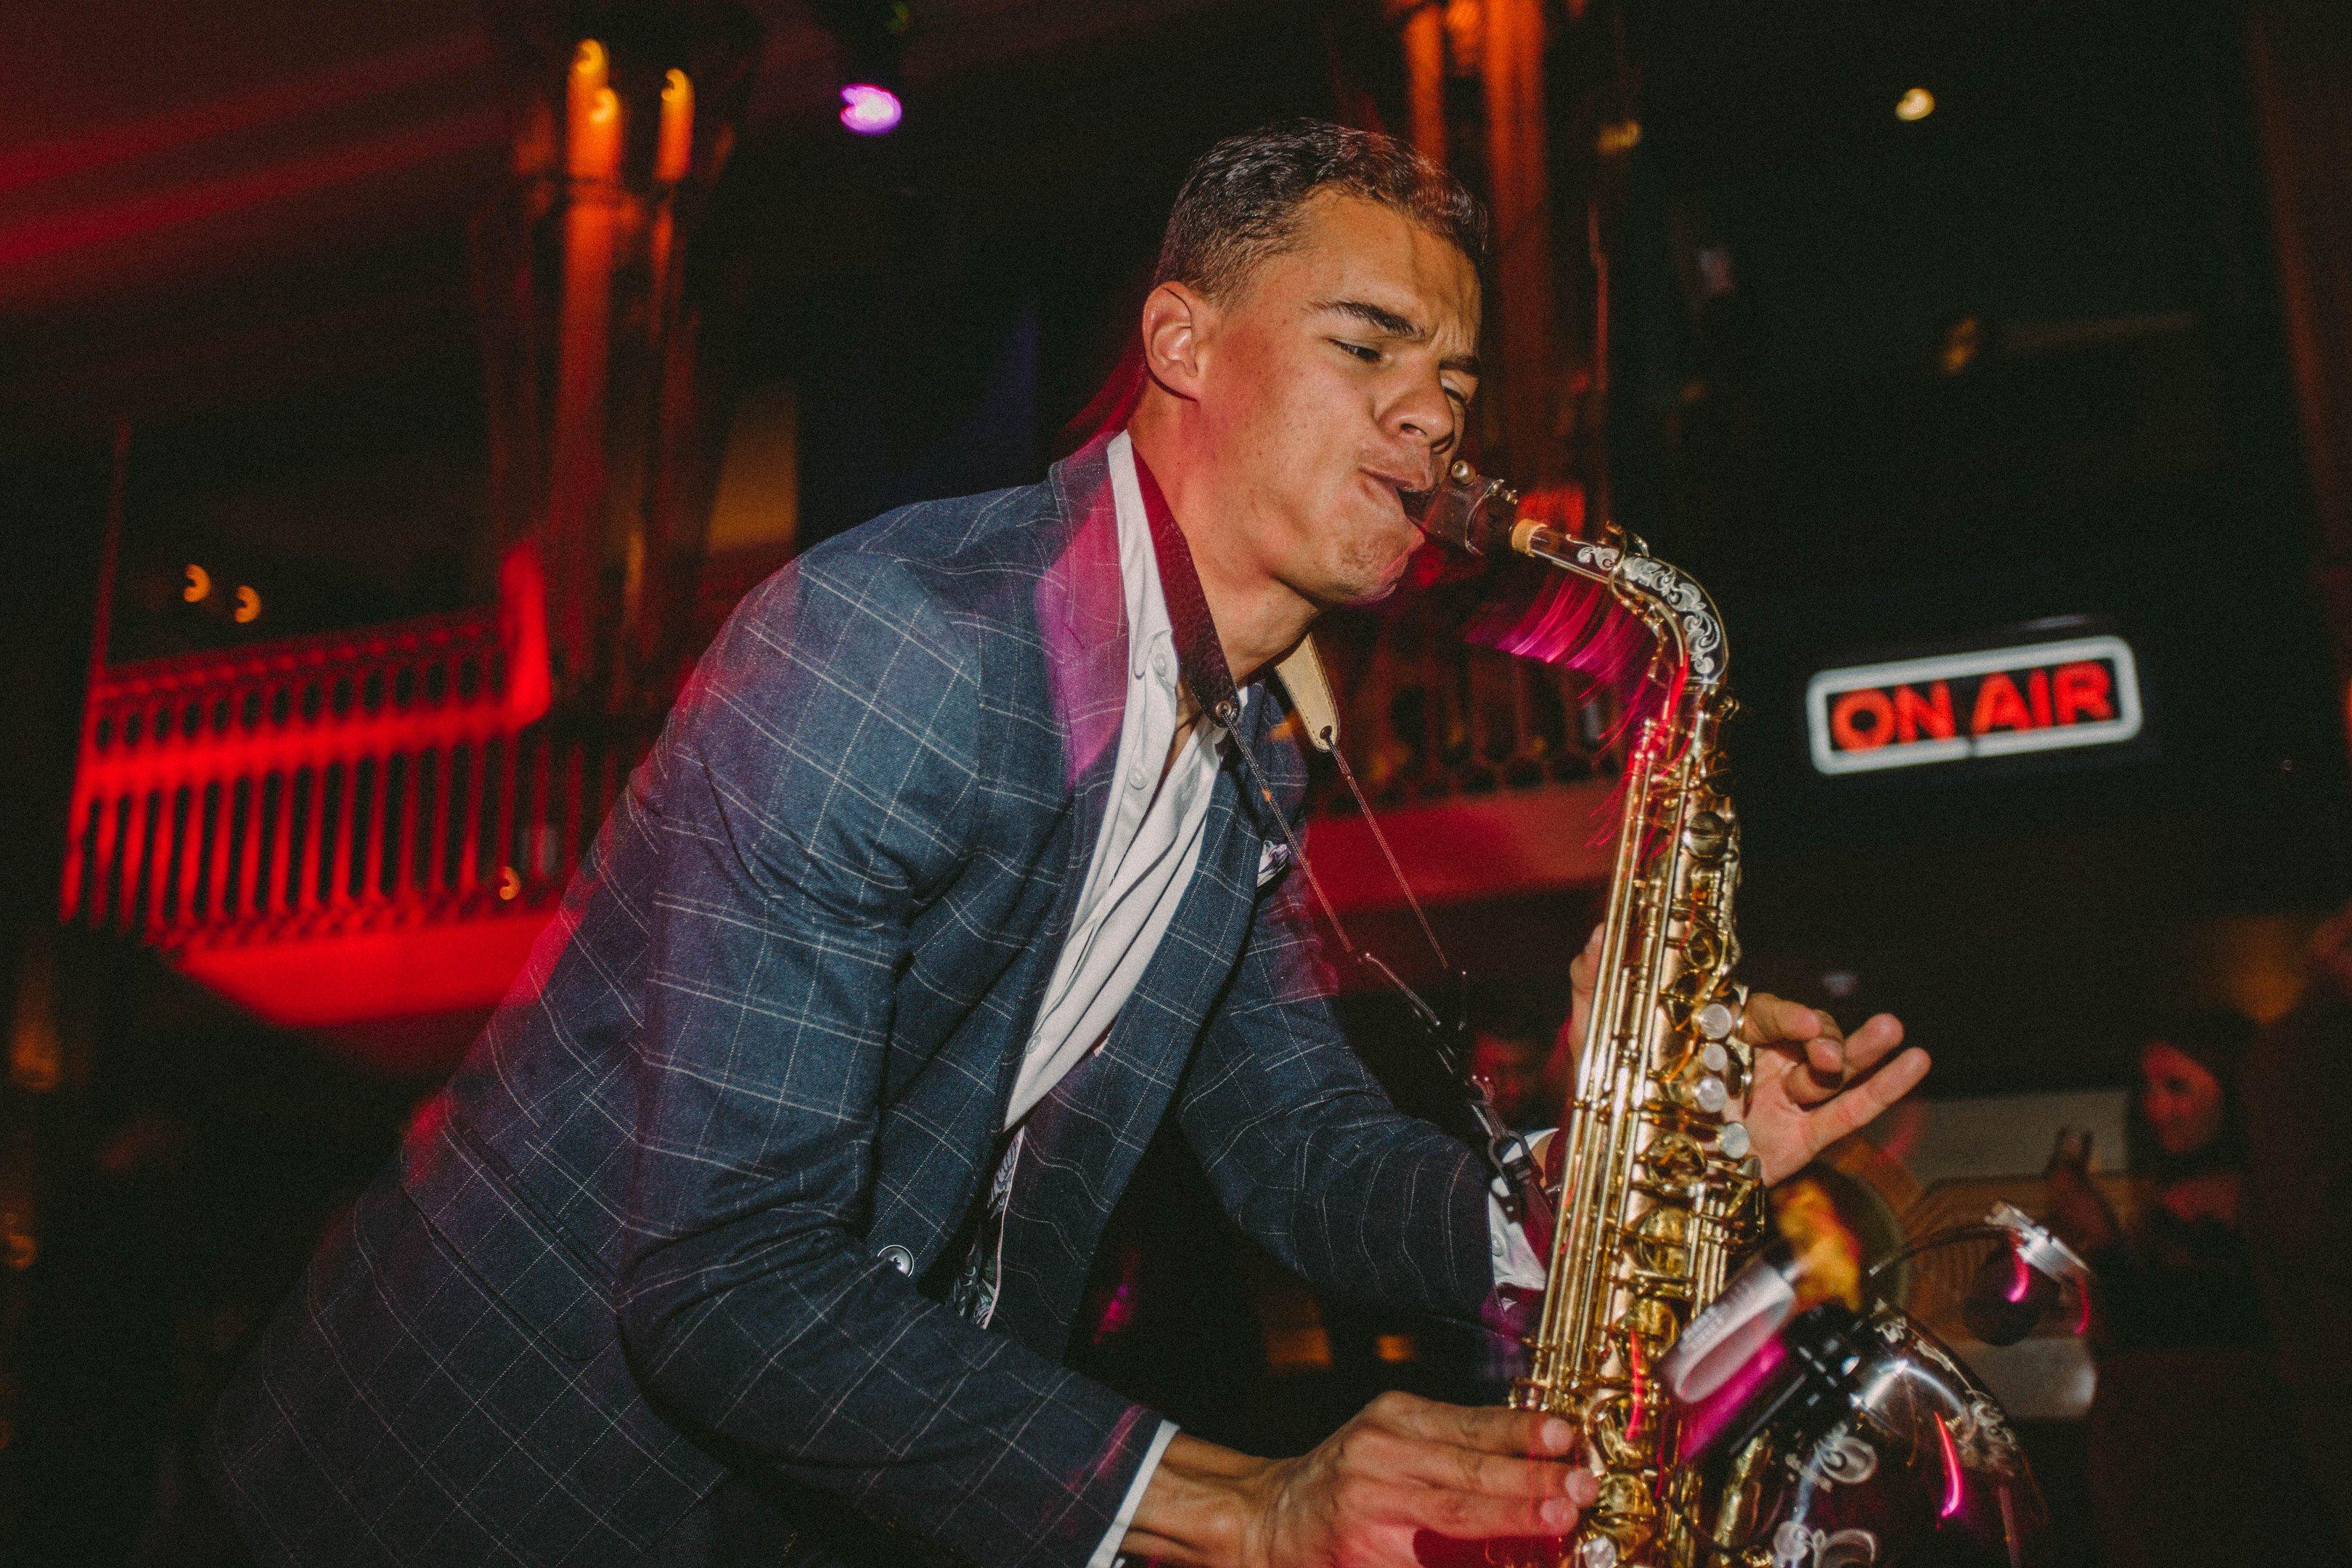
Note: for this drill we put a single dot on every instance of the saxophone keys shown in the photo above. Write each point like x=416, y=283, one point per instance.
x=1713, y=1058
x=1706, y=1095
x=1675, y=1159
x=1732, y=1141
x=1707, y=835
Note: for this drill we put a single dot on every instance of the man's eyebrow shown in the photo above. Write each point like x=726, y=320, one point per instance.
x=1382, y=320
x=1377, y=317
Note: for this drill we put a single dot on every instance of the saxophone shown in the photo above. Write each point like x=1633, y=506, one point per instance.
x=1728, y=1427
x=1660, y=1189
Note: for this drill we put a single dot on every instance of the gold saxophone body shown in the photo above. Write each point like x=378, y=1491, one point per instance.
x=1659, y=1190
x=1658, y=1185
x=1873, y=1447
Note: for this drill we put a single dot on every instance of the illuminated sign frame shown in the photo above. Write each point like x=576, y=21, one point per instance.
x=2043, y=736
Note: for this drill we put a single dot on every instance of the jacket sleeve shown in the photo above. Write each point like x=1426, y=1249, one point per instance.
x=817, y=781
x=1305, y=1149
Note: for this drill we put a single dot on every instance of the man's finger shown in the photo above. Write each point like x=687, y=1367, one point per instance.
x=1490, y=1429
x=1871, y=1044
x=1825, y=1058
x=1467, y=1516
x=1770, y=1020
x=1831, y=1063
x=1862, y=1104
x=1445, y=1466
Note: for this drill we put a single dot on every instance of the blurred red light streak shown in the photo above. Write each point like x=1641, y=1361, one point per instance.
x=42, y=238
x=64, y=158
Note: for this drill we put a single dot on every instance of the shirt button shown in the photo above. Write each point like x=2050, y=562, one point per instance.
x=1160, y=663
x=1135, y=778
x=897, y=1257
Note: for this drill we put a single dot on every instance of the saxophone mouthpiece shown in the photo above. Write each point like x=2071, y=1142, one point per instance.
x=1466, y=511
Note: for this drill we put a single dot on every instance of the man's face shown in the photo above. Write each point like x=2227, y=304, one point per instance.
x=1334, y=375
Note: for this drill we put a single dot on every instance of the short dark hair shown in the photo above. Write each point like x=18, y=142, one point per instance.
x=1239, y=201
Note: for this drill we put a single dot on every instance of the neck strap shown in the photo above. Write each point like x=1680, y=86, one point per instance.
x=1199, y=654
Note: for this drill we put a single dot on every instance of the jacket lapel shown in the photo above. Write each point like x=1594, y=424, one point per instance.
x=1082, y=1140
x=1080, y=611
x=1082, y=622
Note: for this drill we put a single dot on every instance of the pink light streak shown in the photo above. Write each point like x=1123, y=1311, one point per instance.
x=1955, y=1493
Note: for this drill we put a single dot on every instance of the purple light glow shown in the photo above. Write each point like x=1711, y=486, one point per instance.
x=870, y=110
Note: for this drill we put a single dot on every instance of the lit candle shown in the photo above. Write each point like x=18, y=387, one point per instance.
x=596, y=139
x=588, y=78
x=596, y=116
x=675, y=150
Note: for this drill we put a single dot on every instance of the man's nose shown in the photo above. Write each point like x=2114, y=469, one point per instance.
x=1427, y=417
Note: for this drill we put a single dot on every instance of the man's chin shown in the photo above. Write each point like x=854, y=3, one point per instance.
x=1358, y=584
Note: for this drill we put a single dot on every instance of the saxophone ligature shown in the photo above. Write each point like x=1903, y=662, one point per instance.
x=1868, y=1444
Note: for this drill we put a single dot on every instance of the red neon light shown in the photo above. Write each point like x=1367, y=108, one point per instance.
x=1930, y=715
x=1955, y=1490
x=418, y=968
x=1847, y=713
x=2084, y=690
x=1999, y=707
x=2079, y=692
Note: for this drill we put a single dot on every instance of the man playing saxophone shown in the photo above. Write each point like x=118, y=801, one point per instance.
x=752, y=1227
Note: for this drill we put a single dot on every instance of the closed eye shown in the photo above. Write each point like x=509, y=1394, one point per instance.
x=1364, y=351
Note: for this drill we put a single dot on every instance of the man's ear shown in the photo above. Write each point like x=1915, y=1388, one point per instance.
x=1175, y=322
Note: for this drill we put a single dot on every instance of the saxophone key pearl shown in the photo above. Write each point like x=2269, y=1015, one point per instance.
x=1708, y=1096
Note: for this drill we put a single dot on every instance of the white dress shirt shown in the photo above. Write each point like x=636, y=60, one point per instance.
x=1151, y=828
x=1143, y=860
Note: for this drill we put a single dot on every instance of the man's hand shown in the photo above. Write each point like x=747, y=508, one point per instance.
x=1402, y=1467
x=1812, y=1086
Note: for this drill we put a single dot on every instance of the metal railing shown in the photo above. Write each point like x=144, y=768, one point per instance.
x=381, y=777
x=1426, y=718
x=382, y=773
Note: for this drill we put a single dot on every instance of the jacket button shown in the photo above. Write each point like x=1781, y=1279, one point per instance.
x=897, y=1257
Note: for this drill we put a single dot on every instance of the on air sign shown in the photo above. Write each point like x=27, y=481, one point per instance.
x=1999, y=703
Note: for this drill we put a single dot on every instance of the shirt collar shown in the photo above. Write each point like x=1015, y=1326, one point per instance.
x=1149, y=630
x=1147, y=626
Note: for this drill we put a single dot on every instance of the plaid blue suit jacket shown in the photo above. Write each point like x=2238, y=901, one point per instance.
x=672, y=1219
